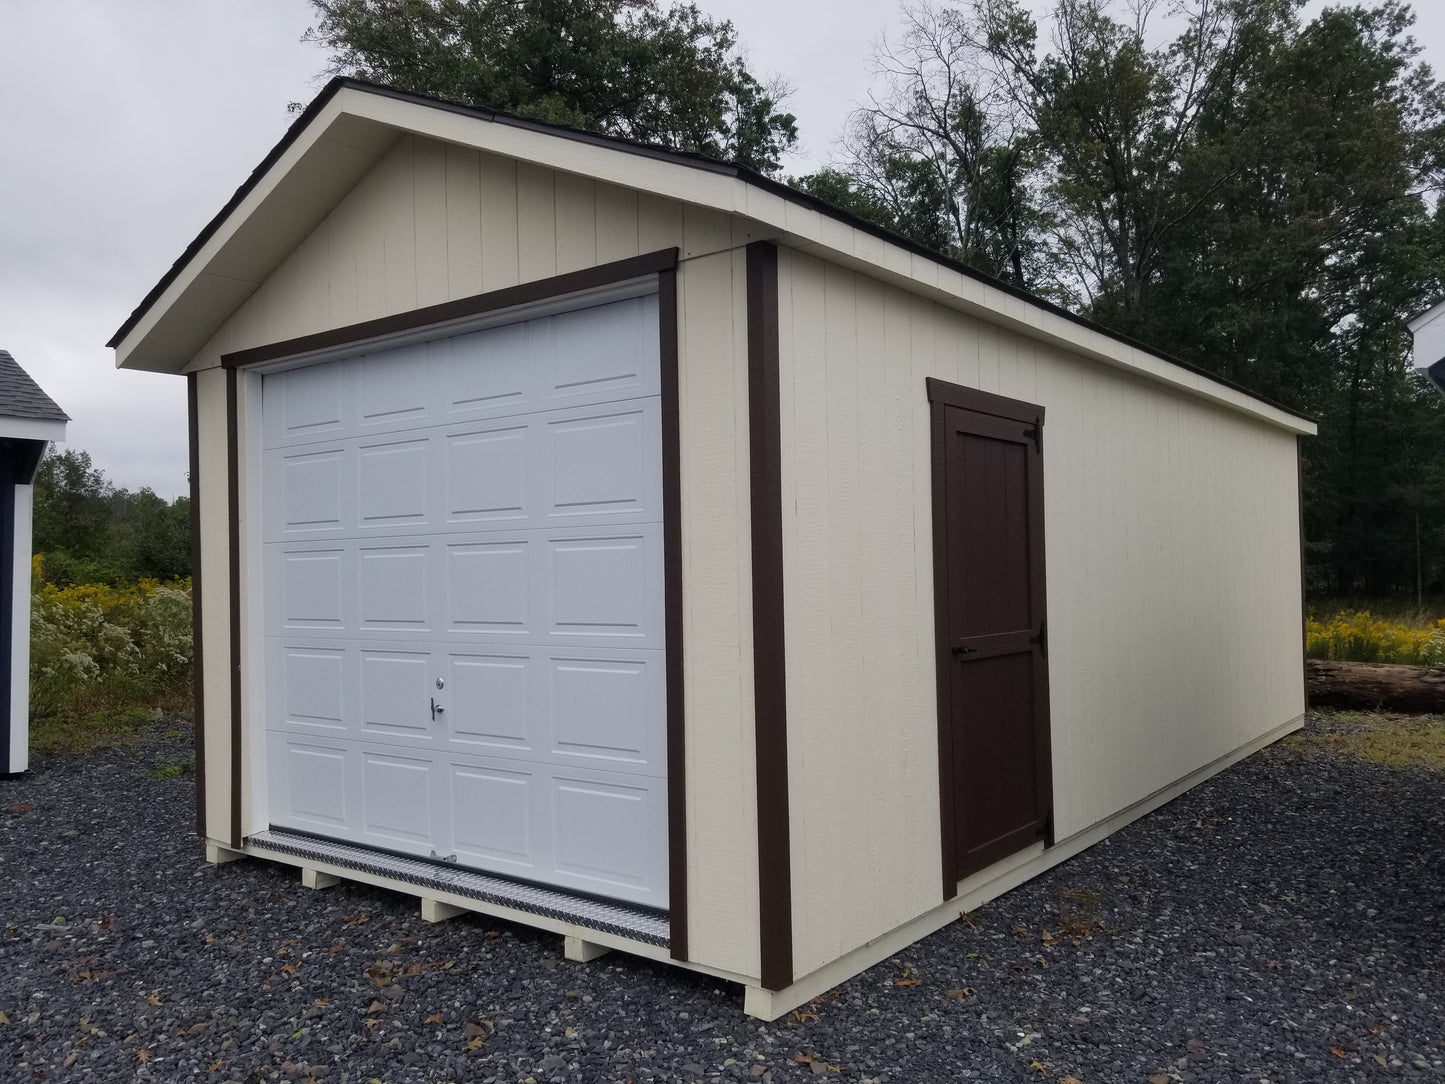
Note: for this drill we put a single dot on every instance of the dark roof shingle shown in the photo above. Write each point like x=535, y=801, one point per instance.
x=21, y=397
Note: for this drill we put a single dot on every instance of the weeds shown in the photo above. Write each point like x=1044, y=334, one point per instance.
x=1363, y=637
x=105, y=661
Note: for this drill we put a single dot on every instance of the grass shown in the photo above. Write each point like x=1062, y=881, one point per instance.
x=1398, y=741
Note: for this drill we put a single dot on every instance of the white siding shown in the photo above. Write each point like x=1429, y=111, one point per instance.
x=1172, y=554
x=432, y=222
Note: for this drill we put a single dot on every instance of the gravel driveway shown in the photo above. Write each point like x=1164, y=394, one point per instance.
x=1282, y=922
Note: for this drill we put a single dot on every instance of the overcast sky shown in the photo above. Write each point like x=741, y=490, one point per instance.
x=126, y=126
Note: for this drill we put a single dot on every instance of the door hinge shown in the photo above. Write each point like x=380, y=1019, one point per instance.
x=1036, y=434
x=1041, y=638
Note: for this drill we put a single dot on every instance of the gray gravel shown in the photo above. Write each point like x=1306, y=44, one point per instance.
x=1281, y=922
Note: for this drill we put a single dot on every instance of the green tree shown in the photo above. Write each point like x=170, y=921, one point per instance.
x=624, y=67
x=87, y=531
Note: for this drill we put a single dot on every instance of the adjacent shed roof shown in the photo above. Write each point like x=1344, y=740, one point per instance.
x=352, y=124
x=21, y=397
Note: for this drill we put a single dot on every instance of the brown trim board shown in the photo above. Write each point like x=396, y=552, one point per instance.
x=198, y=667
x=589, y=278
x=1304, y=610
x=233, y=515
x=775, y=890
x=941, y=395
x=672, y=616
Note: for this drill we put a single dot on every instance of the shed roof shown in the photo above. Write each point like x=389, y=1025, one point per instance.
x=21, y=397
x=351, y=124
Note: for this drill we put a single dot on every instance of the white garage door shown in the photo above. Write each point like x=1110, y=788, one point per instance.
x=463, y=564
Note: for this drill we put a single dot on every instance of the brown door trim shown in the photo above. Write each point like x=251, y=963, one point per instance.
x=667, y=325
x=770, y=712
x=589, y=278
x=198, y=667
x=942, y=396
x=233, y=502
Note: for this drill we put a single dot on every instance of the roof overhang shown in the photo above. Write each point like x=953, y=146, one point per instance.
x=31, y=429
x=352, y=125
x=1427, y=330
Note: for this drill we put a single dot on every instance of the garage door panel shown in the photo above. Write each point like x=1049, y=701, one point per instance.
x=400, y=795
x=489, y=371
x=600, y=587
x=393, y=588
x=490, y=587
x=308, y=587
x=305, y=404
x=489, y=701
x=602, y=835
x=312, y=785
x=604, y=463
x=489, y=472
x=605, y=352
x=394, y=484
x=608, y=711
x=308, y=491
x=313, y=688
x=493, y=819
x=396, y=694
x=394, y=387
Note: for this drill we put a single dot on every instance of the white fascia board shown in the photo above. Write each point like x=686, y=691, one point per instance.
x=196, y=266
x=616, y=165
x=31, y=429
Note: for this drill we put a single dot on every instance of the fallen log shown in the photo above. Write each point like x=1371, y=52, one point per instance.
x=1372, y=686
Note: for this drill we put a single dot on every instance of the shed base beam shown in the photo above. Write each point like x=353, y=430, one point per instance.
x=314, y=878
x=437, y=911
x=218, y=855
x=575, y=948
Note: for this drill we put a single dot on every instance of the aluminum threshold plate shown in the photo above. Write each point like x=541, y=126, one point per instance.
x=614, y=918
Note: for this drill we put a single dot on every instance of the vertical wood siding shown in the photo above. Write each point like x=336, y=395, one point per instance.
x=1173, y=574
x=432, y=222
x=215, y=590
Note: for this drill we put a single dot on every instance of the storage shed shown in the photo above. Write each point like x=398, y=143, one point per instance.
x=29, y=421
x=623, y=543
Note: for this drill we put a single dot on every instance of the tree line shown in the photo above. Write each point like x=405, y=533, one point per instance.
x=1241, y=188
x=1223, y=180
x=85, y=530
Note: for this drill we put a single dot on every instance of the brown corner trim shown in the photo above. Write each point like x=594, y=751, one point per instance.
x=984, y=402
x=233, y=516
x=198, y=668
x=589, y=278
x=775, y=887
x=667, y=327
x=1304, y=609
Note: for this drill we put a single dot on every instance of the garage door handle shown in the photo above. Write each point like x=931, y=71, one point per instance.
x=436, y=709
x=963, y=649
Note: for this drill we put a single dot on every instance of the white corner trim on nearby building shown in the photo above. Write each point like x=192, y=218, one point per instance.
x=18, y=759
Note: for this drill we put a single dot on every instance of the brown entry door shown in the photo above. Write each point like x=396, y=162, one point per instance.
x=994, y=714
